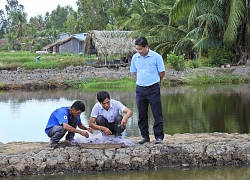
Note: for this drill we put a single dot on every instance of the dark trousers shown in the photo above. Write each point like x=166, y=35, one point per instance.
x=57, y=132
x=113, y=127
x=145, y=96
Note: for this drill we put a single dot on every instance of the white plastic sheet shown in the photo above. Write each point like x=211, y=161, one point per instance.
x=102, y=139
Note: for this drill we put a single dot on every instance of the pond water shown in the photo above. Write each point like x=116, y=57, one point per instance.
x=208, y=173
x=186, y=109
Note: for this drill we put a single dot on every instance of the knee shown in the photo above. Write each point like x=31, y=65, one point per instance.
x=62, y=131
x=99, y=120
x=59, y=133
x=57, y=129
x=119, y=118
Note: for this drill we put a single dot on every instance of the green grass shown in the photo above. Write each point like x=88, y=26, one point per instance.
x=27, y=60
x=97, y=84
x=222, y=79
x=1, y=86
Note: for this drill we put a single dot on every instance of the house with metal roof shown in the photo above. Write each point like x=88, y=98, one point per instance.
x=72, y=44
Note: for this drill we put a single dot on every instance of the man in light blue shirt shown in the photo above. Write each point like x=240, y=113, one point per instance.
x=149, y=69
x=105, y=115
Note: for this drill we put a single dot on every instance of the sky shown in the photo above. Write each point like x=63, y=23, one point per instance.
x=35, y=7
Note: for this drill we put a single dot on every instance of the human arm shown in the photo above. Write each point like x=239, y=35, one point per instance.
x=128, y=114
x=69, y=128
x=133, y=69
x=162, y=74
x=93, y=125
x=81, y=126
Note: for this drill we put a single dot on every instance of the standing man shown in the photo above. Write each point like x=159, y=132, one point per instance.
x=66, y=119
x=149, y=69
x=105, y=115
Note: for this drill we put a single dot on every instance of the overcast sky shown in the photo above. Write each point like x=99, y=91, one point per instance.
x=35, y=7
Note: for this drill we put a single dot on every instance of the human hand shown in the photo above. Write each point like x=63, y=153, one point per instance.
x=123, y=122
x=84, y=133
x=106, y=130
x=90, y=130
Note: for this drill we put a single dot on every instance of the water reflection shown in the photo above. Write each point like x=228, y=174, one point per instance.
x=197, y=109
x=208, y=173
x=25, y=114
x=186, y=109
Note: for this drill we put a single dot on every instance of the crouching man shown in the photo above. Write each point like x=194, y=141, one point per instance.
x=66, y=119
x=106, y=117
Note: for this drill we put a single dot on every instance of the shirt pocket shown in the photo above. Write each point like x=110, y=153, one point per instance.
x=151, y=67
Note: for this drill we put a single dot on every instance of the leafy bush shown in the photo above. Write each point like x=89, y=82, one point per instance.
x=205, y=62
x=221, y=56
x=5, y=47
x=37, y=47
x=176, y=62
x=192, y=64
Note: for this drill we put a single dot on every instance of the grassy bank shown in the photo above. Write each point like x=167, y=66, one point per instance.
x=217, y=79
x=95, y=84
x=27, y=60
x=124, y=84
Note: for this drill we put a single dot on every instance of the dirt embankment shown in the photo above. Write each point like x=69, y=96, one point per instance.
x=179, y=150
x=59, y=79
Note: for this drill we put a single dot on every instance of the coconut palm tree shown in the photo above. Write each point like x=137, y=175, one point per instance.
x=38, y=22
x=150, y=18
x=19, y=23
x=216, y=23
x=11, y=39
x=121, y=14
x=79, y=27
x=161, y=36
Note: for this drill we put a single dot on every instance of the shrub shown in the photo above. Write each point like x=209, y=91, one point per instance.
x=192, y=64
x=176, y=62
x=37, y=47
x=206, y=62
x=221, y=56
x=5, y=47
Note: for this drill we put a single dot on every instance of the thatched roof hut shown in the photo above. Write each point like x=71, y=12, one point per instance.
x=109, y=43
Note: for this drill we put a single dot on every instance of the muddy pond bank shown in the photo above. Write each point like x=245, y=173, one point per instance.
x=57, y=79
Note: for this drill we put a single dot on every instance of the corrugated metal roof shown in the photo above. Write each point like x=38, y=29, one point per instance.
x=81, y=36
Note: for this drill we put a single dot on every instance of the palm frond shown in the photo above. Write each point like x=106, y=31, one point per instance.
x=212, y=23
x=235, y=20
x=208, y=42
x=180, y=8
x=183, y=46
